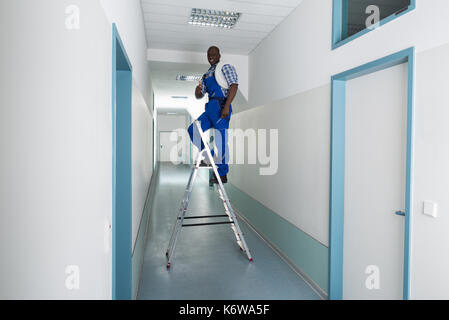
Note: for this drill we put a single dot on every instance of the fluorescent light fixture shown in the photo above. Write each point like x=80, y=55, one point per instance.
x=179, y=97
x=182, y=77
x=171, y=113
x=213, y=18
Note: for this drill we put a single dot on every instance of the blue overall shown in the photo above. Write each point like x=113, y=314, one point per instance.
x=211, y=118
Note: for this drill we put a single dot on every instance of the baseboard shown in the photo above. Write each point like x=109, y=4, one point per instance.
x=305, y=255
x=139, y=248
x=323, y=295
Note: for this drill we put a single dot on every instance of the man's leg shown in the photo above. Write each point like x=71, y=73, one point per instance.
x=221, y=141
x=195, y=135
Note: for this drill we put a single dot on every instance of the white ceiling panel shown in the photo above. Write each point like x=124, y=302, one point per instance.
x=263, y=8
x=181, y=29
x=167, y=28
x=161, y=35
x=200, y=47
x=280, y=3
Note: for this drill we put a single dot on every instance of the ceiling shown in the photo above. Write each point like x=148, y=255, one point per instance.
x=167, y=28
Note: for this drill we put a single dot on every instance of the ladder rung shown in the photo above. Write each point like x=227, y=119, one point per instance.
x=205, y=217
x=207, y=224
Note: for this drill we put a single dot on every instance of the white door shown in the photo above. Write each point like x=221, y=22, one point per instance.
x=375, y=164
x=168, y=146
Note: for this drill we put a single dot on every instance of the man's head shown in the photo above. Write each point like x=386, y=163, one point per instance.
x=213, y=55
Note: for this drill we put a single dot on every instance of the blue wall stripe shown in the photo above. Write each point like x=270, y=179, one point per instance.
x=308, y=254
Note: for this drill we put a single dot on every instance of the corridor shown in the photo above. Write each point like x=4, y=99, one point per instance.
x=208, y=264
x=327, y=121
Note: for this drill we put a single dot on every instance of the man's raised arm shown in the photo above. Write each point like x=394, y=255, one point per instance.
x=199, y=91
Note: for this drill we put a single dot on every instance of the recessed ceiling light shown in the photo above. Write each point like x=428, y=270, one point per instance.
x=213, y=18
x=182, y=77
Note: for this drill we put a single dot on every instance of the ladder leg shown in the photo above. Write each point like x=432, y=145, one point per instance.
x=173, y=246
x=181, y=208
x=237, y=237
x=226, y=202
x=175, y=229
x=236, y=227
x=182, y=211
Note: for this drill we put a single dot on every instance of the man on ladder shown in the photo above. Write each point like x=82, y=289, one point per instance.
x=218, y=111
x=217, y=115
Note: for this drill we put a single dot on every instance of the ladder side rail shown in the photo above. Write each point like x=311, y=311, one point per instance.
x=183, y=210
x=214, y=167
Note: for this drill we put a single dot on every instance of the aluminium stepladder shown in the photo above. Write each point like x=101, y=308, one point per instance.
x=232, y=219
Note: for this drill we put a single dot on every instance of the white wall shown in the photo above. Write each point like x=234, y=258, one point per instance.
x=297, y=55
x=142, y=157
x=56, y=142
x=289, y=89
x=430, y=244
x=304, y=137
x=128, y=16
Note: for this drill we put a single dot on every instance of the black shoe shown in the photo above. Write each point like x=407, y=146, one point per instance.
x=204, y=164
x=224, y=179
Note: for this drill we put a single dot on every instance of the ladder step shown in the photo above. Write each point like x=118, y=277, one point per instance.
x=205, y=217
x=207, y=224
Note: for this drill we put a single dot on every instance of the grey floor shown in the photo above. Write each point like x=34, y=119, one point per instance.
x=208, y=264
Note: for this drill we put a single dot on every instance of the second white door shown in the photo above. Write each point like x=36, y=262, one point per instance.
x=373, y=250
x=168, y=146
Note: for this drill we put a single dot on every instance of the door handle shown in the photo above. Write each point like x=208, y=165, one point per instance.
x=400, y=213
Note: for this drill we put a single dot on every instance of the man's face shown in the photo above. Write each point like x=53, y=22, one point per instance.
x=213, y=56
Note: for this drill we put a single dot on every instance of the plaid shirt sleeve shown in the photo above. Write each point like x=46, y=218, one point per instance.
x=203, y=88
x=203, y=85
x=230, y=74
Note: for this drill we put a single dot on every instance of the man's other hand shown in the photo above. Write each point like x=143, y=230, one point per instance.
x=225, y=111
x=199, y=90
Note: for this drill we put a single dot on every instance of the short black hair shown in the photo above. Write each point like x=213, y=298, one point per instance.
x=213, y=47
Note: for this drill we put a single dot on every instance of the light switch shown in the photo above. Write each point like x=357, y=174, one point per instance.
x=430, y=209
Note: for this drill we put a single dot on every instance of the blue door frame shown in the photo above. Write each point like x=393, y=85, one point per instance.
x=121, y=170
x=338, y=166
